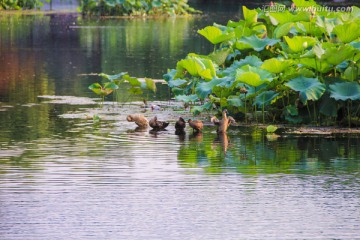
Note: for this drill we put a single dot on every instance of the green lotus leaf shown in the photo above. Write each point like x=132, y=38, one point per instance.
x=305, y=3
x=347, y=32
x=321, y=66
x=284, y=17
x=199, y=109
x=136, y=90
x=150, y=84
x=345, y=91
x=215, y=35
x=250, y=16
x=196, y=67
x=187, y=98
x=133, y=81
x=299, y=43
x=328, y=106
x=205, y=88
x=283, y=29
x=351, y=73
x=249, y=60
x=308, y=88
x=112, y=77
x=235, y=101
x=327, y=25
x=219, y=56
x=253, y=76
x=276, y=65
x=169, y=75
x=336, y=55
x=271, y=129
x=258, y=44
x=308, y=28
x=265, y=98
x=176, y=82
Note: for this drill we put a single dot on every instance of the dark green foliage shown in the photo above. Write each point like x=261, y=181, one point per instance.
x=135, y=7
x=291, y=64
x=20, y=4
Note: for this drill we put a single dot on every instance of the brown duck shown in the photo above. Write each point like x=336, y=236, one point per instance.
x=180, y=124
x=139, y=119
x=196, y=125
x=224, y=123
x=157, y=125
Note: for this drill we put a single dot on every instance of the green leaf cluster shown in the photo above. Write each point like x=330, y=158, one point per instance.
x=136, y=7
x=114, y=82
x=298, y=65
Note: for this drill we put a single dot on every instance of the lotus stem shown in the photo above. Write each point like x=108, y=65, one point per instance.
x=307, y=106
x=348, y=110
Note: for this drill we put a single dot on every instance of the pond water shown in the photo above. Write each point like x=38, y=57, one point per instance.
x=65, y=176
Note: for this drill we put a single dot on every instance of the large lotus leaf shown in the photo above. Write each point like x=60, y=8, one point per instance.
x=265, y=98
x=187, y=98
x=328, y=106
x=169, y=75
x=176, y=82
x=336, y=55
x=243, y=31
x=105, y=90
x=345, y=91
x=309, y=88
x=286, y=16
x=219, y=56
x=276, y=65
x=249, y=60
x=327, y=25
x=136, y=90
x=199, y=109
x=197, y=67
x=205, y=88
x=351, y=73
x=308, y=28
x=113, y=78
x=283, y=29
x=253, y=76
x=235, y=101
x=215, y=35
x=250, y=16
x=347, y=32
x=258, y=44
x=227, y=81
x=133, y=81
x=305, y=3
x=299, y=43
x=321, y=66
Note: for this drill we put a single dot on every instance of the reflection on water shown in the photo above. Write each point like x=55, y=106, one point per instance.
x=61, y=172
x=109, y=181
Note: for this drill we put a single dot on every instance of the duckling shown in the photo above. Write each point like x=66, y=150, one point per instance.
x=158, y=125
x=196, y=125
x=139, y=119
x=180, y=124
x=224, y=123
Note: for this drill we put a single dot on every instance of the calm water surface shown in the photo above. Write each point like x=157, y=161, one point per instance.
x=62, y=176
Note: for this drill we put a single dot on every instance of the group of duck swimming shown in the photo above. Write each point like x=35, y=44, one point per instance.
x=196, y=125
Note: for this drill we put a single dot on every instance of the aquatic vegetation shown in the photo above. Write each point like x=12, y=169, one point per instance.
x=18, y=5
x=114, y=82
x=136, y=7
x=297, y=65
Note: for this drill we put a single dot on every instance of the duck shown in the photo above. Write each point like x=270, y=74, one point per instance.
x=196, y=125
x=158, y=125
x=180, y=124
x=224, y=123
x=139, y=119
